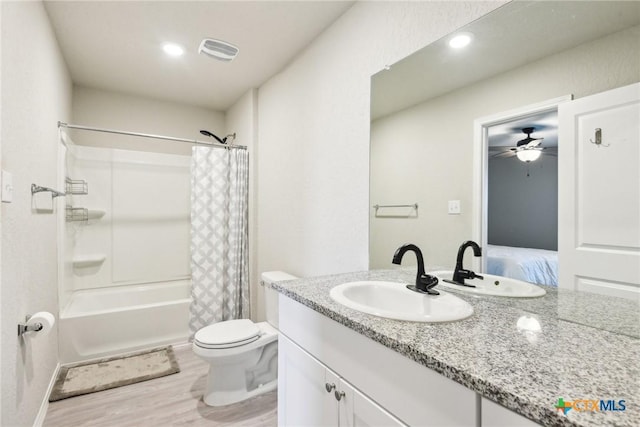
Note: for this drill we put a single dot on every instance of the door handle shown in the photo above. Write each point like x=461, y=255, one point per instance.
x=338, y=395
x=329, y=387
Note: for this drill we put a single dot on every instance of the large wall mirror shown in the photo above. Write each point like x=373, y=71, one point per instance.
x=423, y=110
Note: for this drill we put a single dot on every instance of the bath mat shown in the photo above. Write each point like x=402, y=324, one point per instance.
x=89, y=377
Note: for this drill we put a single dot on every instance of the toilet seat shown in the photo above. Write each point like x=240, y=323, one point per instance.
x=228, y=334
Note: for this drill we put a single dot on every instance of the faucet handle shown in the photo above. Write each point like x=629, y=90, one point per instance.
x=428, y=281
x=469, y=274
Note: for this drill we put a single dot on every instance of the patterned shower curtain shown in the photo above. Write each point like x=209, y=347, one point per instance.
x=219, y=236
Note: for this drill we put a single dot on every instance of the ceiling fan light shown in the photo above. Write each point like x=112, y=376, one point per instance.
x=530, y=155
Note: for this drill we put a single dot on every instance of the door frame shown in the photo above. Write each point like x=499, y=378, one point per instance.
x=481, y=164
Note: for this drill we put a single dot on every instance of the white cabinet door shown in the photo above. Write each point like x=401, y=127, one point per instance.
x=357, y=410
x=310, y=394
x=494, y=415
x=303, y=399
x=599, y=193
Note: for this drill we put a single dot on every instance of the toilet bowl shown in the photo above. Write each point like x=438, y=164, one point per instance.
x=242, y=355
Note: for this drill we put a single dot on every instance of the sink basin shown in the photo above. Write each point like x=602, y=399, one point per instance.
x=394, y=301
x=492, y=285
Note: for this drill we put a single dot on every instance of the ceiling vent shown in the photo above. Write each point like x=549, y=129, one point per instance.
x=222, y=51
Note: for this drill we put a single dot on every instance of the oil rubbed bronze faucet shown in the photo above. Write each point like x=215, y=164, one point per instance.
x=459, y=274
x=424, y=282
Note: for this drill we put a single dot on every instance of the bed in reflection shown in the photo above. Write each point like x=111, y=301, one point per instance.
x=531, y=265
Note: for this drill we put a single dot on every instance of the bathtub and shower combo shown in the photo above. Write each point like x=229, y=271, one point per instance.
x=125, y=274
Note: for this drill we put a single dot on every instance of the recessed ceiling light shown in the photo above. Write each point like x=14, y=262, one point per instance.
x=172, y=49
x=460, y=40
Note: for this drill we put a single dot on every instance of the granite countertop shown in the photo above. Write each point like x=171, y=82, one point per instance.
x=587, y=347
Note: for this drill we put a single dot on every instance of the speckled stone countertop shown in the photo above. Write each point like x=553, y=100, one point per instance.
x=587, y=347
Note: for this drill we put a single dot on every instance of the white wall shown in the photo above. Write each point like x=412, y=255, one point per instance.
x=111, y=110
x=242, y=119
x=1, y=117
x=36, y=94
x=433, y=141
x=314, y=134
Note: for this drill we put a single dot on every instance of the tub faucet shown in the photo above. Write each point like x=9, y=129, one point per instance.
x=424, y=282
x=459, y=274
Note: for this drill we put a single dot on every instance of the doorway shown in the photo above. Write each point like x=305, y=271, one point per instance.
x=515, y=192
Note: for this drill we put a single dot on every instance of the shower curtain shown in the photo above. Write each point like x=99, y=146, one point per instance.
x=219, y=236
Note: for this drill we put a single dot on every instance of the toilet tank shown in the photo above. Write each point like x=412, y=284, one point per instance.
x=271, y=296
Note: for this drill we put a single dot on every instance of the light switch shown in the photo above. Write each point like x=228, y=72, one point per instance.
x=7, y=187
x=454, y=207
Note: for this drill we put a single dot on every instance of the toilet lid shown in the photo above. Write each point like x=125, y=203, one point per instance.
x=227, y=334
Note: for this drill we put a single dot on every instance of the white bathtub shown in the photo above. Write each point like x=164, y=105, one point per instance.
x=98, y=323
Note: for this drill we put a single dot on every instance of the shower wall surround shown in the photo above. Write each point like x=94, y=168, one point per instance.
x=138, y=226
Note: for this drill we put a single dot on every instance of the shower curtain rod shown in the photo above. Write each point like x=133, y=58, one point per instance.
x=147, y=135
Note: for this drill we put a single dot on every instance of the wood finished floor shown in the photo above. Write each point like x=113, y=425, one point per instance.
x=174, y=400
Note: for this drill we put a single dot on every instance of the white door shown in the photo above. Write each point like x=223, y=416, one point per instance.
x=599, y=193
x=303, y=398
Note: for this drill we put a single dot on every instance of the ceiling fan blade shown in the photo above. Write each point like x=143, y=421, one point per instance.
x=503, y=155
x=534, y=143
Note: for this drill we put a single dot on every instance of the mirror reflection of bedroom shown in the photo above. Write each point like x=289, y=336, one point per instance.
x=445, y=164
x=522, y=206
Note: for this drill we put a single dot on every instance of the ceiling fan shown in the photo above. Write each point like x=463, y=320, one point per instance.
x=527, y=149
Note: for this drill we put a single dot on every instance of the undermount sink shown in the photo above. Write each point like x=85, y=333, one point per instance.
x=394, y=301
x=492, y=285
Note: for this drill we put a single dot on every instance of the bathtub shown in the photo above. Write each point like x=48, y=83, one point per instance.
x=98, y=323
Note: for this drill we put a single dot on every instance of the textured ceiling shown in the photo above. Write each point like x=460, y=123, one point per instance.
x=117, y=46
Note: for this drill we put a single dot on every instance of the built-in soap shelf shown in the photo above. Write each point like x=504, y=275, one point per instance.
x=95, y=213
x=85, y=261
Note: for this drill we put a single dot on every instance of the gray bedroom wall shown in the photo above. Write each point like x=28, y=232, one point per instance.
x=523, y=210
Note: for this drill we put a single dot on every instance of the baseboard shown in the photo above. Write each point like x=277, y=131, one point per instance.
x=44, y=406
x=181, y=345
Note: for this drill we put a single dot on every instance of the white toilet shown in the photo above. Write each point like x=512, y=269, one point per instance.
x=242, y=355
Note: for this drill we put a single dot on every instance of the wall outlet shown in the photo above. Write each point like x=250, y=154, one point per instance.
x=6, y=185
x=454, y=207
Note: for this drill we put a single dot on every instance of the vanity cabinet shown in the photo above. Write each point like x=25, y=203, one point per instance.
x=380, y=386
x=494, y=415
x=311, y=394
